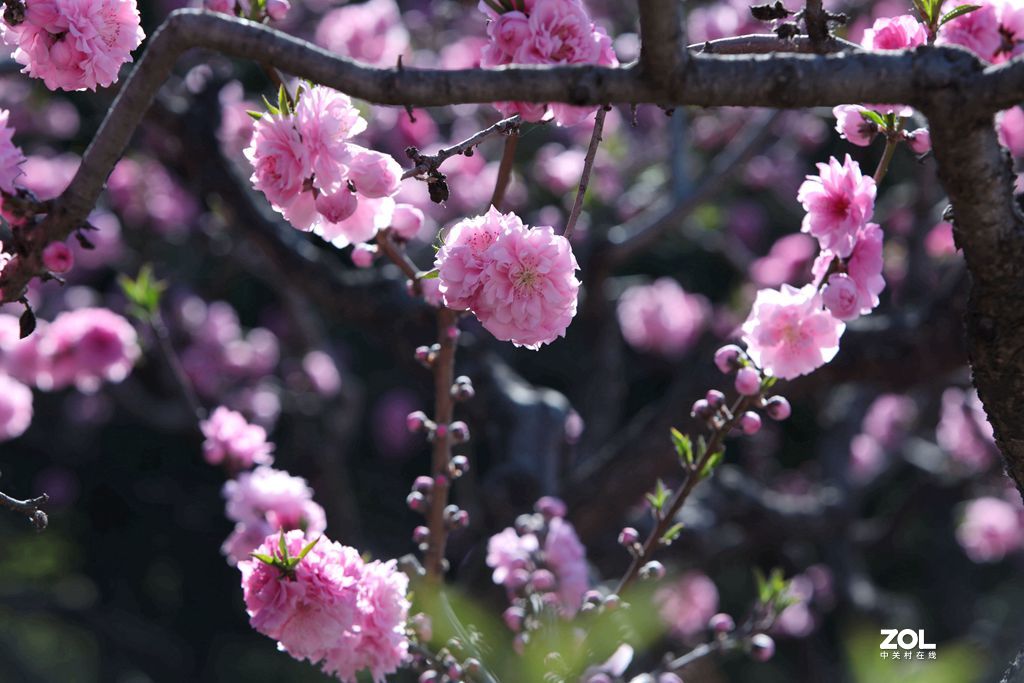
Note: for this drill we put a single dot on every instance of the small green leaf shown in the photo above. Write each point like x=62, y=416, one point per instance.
x=683, y=446
x=257, y=115
x=659, y=497
x=307, y=548
x=672, y=534
x=282, y=99
x=271, y=108
x=430, y=274
x=283, y=547
x=958, y=11
x=143, y=292
x=713, y=461
x=873, y=116
x=265, y=559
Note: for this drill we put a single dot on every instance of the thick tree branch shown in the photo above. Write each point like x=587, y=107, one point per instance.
x=661, y=33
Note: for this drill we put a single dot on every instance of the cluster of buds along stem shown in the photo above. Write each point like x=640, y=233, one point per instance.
x=451, y=664
x=751, y=386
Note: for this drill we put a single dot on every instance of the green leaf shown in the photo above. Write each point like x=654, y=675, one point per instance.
x=672, y=534
x=430, y=274
x=282, y=546
x=712, y=462
x=659, y=497
x=282, y=99
x=265, y=559
x=143, y=292
x=271, y=108
x=305, y=550
x=683, y=446
x=958, y=11
x=873, y=116
x=257, y=115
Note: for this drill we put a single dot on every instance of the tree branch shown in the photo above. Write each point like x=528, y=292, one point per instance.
x=661, y=34
x=427, y=164
x=588, y=166
x=32, y=508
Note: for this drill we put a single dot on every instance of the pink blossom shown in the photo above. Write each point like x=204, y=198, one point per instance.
x=840, y=296
x=331, y=608
x=852, y=126
x=964, y=431
x=895, y=33
x=269, y=495
x=977, y=31
x=509, y=31
x=374, y=174
x=407, y=221
x=560, y=32
x=57, y=257
x=788, y=334
x=229, y=439
x=465, y=253
x=865, y=266
x=889, y=418
x=278, y=9
x=786, y=261
x=325, y=119
x=281, y=162
x=838, y=202
x=566, y=557
x=990, y=529
x=370, y=32
x=11, y=157
x=15, y=408
x=508, y=551
x=528, y=286
x=662, y=317
x=85, y=347
x=1010, y=126
x=334, y=207
x=370, y=216
x=939, y=240
x=686, y=605
x=920, y=141
x=75, y=44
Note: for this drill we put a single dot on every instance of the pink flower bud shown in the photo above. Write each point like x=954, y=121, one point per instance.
x=416, y=501
x=715, y=399
x=701, y=410
x=458, y=466
x=854, y=127
x=727, y=357
x=513, y=618
x=363, y=255
x=920, y=141
x=429, y=676
x=517, y=578
x=277, y=9
x=416, y=421
x=628, y=536
x=459, y=431
x=338, y=206
x=762, y=647
x=551, y=507
x=750, y=422
x=58, y=258
x=748, y=381
x=721, y=623
x=840, y=296
x=420, y=535
x=543, y=580
x=778, y=408
x=652, y=570
x=423, y=484
x=407, y=221
x=374, y=174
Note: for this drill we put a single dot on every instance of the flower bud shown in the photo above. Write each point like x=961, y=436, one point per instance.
x=715, y=399
x=701, y=410
x=363, y=255
x=416, y=421
x=517, y=578
x=462, y=389
x=57, y=258
x=416, y=501
x=612, y=602
x=628, y=536
x=920, y=141
x=513, y=618
x=550, y=507
x=652, y=570
x=750, y=422
x=458, y=466
x=762, y=647
x=543, y=580
x=420, y=535
x=748, y=381
x=840, y=296
x=423, y=356
x=459, y=431
x=721, y=623
x=422, y=626
x=277, y=9
x=459, y=520
x=727, y=358
x=423, y=484
x=777, y=408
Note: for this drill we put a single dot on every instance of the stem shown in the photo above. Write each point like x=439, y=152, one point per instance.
x=588, y=166
x=504, y=171
x=883, y=166
x=444, y=371
x=664, y=519
x=398, y=257
x=30, y=507
x=163, y=337
x=426, y=164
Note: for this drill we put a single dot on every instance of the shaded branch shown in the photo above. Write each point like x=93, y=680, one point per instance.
x=588, y=166
x=32, y=508
x=661, y=35
x=427, y=164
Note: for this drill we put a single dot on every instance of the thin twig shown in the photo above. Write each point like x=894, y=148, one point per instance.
x=444, y=406
x=426, y=164
x=30, y=507
x=181, y=378
x=504, y=171
x=883, y=165
x=588, y=166
x=398, y=256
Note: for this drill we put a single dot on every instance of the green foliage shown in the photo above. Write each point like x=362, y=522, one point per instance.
x=143, y=293
x=773, y=590
x=684, y=447
x=659, y=498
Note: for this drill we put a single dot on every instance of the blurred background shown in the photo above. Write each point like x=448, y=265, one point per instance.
x=882, y=497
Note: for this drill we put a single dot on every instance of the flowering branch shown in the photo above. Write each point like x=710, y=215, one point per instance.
x=588, y=166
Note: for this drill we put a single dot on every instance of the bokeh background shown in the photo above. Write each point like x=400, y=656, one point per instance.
x=867, y=495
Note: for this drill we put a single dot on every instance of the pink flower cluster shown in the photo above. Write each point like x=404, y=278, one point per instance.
x=520, y=282
x=543, y=32
x=11, y=157
x=75, y=44
x=544, y=557
x=264, y=501
x=330, y=608
x=687, y=604
x=883, y=430
x=370, y=32
x=233, y=442
x=994, y=31
x=305, y=164
x=662, y=318
x=991, y=528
